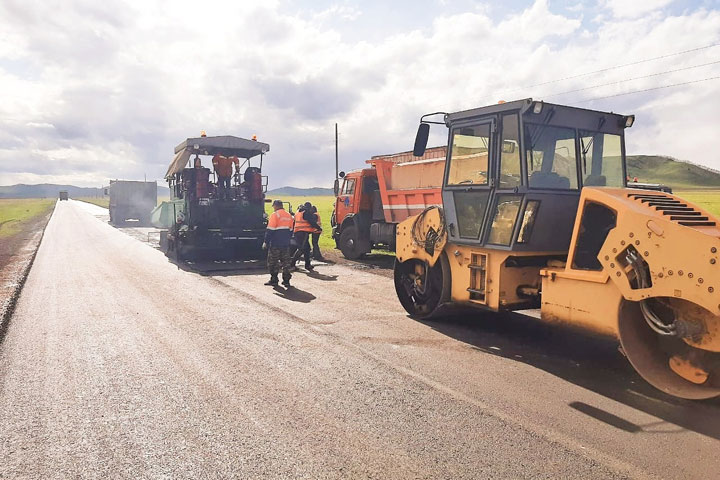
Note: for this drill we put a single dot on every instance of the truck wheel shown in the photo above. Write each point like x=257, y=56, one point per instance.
x=422, y=290
x=350, y=244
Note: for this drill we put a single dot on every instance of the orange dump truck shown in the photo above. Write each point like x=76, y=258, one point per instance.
x=372, y=201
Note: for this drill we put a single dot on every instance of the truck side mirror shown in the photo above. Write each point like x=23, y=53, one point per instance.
x=508, y=146
x=336, y=187
x=421, y=139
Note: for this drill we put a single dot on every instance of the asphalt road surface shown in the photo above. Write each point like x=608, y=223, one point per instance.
x=119, y=363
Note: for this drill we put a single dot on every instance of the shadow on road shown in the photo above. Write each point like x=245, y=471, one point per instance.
x=590, y=362
x=321, y=276
x=294, y=294
x=221, y=268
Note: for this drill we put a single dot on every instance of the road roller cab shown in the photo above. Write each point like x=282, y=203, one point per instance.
x=537, y=215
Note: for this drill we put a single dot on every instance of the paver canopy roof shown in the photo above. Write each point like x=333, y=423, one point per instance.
x=223, y=145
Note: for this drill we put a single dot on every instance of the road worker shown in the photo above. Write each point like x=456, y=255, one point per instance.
x=316, y=253
x=305, y=224
x=277, y=243
x=223, y=168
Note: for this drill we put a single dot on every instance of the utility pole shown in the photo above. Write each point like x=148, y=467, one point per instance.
x=336, y=184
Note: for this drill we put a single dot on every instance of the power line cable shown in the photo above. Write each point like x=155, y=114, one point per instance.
x=647, y=90
x=629, y=79
x=638, y=62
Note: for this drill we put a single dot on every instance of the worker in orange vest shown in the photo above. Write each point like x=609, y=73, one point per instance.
x=316, y=253
x=305, y=224
x=224, y=169
x=277, y=243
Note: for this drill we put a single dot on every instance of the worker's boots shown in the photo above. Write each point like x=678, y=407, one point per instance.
x=273, y=282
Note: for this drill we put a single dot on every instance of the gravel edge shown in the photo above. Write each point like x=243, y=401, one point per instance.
x=8, y=308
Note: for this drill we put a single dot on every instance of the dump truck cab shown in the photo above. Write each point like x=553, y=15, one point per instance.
x=354, y=199
x=537, y=215
x=372, y=201
x=353, y=212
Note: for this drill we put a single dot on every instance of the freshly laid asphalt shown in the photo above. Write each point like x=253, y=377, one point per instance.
x=119, y=363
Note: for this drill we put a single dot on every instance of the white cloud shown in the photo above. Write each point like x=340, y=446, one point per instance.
x=95, y=93
x=633, y=8
x=343, y=12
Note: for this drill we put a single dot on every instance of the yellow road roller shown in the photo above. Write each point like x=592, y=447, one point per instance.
x=536, y=216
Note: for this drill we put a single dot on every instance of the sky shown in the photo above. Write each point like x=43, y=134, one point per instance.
x=91, y=91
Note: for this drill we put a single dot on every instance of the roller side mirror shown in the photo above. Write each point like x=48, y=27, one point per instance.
x=421, y=139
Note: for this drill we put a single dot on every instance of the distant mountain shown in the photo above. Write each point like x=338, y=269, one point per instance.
x=46, y=190
x=49, y=190
x=300, y=192
x=672, y=172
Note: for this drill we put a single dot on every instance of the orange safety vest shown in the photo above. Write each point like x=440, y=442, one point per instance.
x=302, y=225
x=223, y=165
x=318, y=230
x=280, y=220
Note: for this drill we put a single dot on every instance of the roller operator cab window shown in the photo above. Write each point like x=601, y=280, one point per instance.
x=528, y=221
x=469, y=156
x=348, y=186
x=510, y=152
x=470, y=209
x=601, y=159
x=551, y=157
x=503, y=223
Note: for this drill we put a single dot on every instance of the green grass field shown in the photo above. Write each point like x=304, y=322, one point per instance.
x=707, y=199
x=324, y=204
x=15, y=213
x=99, y=201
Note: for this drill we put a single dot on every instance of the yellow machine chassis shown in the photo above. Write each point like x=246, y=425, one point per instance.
x=684, y=270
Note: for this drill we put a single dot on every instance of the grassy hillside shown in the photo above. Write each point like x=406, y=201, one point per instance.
x=45, y=190
x=678, y=175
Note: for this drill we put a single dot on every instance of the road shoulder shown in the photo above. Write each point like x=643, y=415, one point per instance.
x=17, y=254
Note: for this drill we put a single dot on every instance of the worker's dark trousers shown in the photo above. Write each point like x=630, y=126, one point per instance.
x=224, y=187
x=303, y=248
x=316, y=253
x=279, y=258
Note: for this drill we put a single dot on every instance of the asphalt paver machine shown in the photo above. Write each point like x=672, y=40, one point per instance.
x=537, y=216
x=204, y=220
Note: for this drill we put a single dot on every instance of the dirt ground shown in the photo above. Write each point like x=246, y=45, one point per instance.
x=16, y=251
x=12, y=245
x=377, y=263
